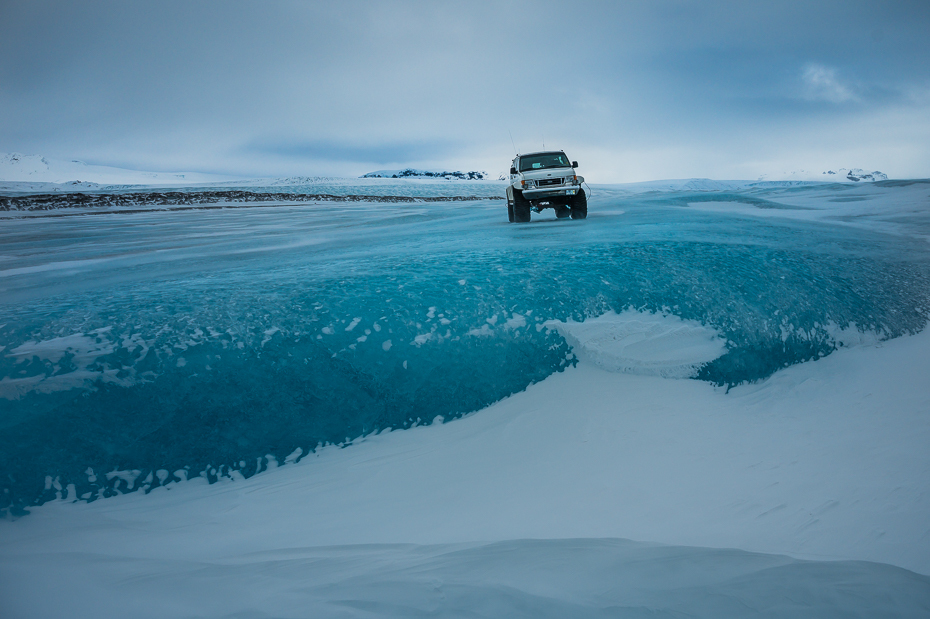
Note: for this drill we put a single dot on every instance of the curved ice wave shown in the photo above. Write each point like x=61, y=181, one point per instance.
x=653, y=344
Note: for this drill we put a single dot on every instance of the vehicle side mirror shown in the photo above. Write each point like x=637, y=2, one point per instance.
x=574, y=164
x=513, y=170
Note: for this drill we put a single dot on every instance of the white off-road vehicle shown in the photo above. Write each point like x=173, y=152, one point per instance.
x=545, y=180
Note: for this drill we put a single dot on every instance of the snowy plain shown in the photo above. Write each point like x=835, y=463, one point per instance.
x=45, y=173
x=792, y=478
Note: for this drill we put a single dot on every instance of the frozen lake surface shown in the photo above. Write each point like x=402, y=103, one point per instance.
x=140, y=347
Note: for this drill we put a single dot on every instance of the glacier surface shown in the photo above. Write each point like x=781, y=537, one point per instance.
x=141, y=347
x=170, y=344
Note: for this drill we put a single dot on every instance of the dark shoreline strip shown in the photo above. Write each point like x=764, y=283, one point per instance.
x=46, y=202
x=34, y=214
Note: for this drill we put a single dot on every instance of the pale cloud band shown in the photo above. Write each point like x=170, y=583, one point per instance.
x=823, y=84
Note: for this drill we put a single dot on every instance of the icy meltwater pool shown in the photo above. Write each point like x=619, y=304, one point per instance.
x=141, y=348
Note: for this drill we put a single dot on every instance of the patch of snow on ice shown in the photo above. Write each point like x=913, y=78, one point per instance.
x=422, y=339
x=484, y=331
x=516, y=322
x=269, y=333
x=72, y=362
x=636, y=342
x=85, y=348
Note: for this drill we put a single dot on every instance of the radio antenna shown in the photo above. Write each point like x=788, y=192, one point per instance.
x=512, y=142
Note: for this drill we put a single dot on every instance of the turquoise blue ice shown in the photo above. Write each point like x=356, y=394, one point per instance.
x=155, y=345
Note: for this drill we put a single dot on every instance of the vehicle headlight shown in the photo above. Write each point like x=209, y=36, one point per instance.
x=529, y=184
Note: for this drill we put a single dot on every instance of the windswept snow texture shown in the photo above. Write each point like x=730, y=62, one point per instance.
x=538, y=579
x=142, y=347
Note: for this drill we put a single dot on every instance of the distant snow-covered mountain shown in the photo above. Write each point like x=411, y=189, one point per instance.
x=839, y=175
x=16, y=167
x=858, y=174
x=412, y=173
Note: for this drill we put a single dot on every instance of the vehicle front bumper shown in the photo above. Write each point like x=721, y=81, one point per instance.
x=551, y=192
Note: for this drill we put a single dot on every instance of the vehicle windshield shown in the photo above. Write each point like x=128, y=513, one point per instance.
x=543, y=161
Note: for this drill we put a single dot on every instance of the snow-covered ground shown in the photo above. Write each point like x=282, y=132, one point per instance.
x=45, y=173
x=826, y=461
x=792, y=478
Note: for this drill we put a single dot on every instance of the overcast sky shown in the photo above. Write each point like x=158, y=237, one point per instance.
x=633, y=90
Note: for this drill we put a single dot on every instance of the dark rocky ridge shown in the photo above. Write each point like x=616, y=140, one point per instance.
x=412, y=173
x=46, y=202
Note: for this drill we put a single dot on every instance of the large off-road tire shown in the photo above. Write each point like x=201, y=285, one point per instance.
x=580, y=205
x=521, y=207
x=562, y=211
x=508, y=196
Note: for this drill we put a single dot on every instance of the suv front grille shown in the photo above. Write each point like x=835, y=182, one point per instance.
x=549, y=181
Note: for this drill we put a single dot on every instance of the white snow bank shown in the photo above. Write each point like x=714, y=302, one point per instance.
x=642, y=343
x=825, y=460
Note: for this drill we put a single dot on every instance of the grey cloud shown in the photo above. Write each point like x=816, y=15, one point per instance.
x=379, y=154
x=217, y=85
